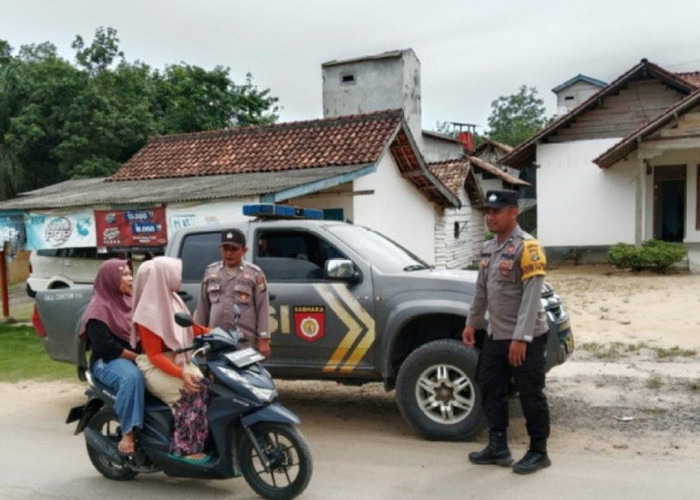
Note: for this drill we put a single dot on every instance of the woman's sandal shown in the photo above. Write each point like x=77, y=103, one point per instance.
x=126, y=449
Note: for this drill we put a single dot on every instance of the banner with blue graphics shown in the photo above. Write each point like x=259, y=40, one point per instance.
x=60, y=230
x=12, y=231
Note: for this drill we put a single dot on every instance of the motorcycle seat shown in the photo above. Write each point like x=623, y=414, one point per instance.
x=152, y=403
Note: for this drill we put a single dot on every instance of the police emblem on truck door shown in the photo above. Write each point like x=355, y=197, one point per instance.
x=309, y=322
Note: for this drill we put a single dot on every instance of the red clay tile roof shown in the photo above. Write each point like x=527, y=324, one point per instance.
x=692, y=77
x=455, y=174
x=451, y=173
x=342, y=141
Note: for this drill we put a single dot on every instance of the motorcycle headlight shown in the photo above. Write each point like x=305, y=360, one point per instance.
x=264, y=395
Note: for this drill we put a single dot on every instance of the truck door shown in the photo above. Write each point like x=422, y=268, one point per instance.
x=197, y=251
x=318, y=326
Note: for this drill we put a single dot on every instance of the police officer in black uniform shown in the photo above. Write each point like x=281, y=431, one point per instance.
x=509, y=288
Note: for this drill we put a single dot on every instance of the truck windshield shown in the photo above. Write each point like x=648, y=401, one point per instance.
x=380, y=251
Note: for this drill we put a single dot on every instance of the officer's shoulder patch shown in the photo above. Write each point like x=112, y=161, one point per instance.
x=261, y=282
x=252, y=266
x=213, y=269
x=532, y=261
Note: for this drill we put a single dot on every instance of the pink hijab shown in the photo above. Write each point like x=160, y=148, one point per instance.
x=155, y=302
x=108, y=304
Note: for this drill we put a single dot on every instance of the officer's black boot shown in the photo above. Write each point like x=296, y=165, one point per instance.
x=496, y=452
x=535, y=459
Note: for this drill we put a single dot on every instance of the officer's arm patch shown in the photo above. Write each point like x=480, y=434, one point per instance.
x=533, y=261
x=262, y=284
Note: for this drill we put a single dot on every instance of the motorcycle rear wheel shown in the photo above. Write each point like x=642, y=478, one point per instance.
x=290, y=457
x=106, y=423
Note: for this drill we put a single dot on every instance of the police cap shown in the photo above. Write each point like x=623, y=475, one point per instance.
x=234, y=237
x=499, y=198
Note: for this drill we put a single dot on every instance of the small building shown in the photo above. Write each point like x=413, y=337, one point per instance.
x=620, y=167
x=573, y=92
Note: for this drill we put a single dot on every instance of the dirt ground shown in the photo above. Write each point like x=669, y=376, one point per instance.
x=631, y=389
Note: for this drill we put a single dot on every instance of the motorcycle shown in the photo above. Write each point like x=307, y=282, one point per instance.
x=250, y=434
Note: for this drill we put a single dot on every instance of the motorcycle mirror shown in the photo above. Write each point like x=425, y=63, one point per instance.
x=183, y=319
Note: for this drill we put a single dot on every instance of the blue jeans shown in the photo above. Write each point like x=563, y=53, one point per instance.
x=123, y=377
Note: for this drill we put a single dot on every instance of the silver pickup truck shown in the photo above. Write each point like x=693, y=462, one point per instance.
x=347, y=304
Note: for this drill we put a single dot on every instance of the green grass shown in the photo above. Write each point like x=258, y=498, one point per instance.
x=673, y=352
x=22, y=357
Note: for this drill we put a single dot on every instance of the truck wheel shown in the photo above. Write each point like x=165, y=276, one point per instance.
x=437, y=392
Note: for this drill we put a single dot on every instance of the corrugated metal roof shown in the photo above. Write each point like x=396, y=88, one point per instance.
x=91, y=192
x=579, y=78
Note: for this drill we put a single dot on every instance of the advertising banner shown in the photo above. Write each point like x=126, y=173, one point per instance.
x=55, y=230
x=205, y=214
x=12, y=231
x=131, y=228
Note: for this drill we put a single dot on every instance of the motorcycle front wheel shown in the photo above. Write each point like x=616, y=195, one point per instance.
x=289, y=458
x=106, y=423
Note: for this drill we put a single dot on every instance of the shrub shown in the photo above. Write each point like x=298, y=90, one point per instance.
x=653, y=255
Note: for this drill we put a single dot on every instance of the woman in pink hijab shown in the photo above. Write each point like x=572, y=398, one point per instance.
x=107, y=325
x=170, y=376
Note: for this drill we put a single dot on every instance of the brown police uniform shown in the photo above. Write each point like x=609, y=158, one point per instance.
x=245, y=286
x=509, y=289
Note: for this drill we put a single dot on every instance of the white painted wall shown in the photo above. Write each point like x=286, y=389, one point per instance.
x=434, y=149
x=460, y=252
x=692, y=235
x=181, y=215
x=397, y=209
x=580, y=204
x=329, y=198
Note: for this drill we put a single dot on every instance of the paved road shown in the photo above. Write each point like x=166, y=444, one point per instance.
x=362, y=453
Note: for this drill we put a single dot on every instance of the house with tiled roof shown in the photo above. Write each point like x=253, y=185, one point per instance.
x=622, y=166
x=362, y=168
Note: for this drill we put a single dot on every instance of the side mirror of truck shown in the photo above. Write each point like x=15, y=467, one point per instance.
x=183, y=319
x=340, y=269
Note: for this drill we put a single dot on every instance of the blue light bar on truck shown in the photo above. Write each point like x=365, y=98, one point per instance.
x=272, y=211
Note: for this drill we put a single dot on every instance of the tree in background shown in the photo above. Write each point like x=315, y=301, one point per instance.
x=60, y=120
x=516, y=117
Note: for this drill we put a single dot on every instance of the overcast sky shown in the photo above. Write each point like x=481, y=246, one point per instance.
x=471, y=51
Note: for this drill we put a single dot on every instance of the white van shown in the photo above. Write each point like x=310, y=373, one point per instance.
x=50, y=269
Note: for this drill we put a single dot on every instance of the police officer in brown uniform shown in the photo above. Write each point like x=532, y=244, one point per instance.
x=233, y=281
x=509, y=288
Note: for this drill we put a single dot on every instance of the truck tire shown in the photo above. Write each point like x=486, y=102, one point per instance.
x=437, y=394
